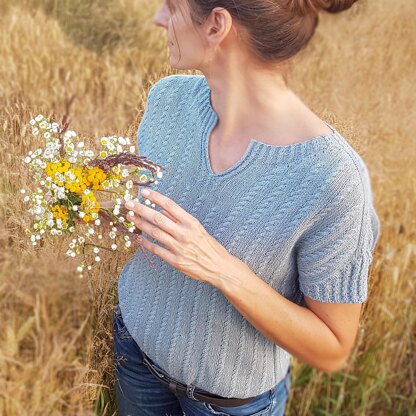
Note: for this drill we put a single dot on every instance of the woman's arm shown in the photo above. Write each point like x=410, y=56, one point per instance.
x=321, y=335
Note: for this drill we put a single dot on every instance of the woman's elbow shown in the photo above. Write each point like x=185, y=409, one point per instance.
x=331, y=363
x=334, y=364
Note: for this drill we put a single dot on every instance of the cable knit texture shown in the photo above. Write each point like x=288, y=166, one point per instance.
x=301, y=216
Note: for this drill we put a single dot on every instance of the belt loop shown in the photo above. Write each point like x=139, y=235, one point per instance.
x=190, y=391
x=173, y=387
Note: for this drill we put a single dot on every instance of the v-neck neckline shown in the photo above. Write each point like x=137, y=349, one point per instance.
x=286, y=152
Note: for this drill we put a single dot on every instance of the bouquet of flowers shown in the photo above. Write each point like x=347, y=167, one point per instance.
x=69, y=181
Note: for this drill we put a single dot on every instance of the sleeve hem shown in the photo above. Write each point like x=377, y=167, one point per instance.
x=350, y=288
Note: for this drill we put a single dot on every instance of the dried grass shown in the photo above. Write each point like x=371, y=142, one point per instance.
x=358, y=73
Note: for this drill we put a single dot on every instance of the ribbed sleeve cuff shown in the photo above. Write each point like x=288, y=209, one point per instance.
x=349, y=287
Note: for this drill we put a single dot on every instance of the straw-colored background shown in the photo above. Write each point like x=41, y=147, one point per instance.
x=56, y=329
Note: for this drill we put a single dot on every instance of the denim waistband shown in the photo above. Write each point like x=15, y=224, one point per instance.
x=287, y=377
x=158, y=369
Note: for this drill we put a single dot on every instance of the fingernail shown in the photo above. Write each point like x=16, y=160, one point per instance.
x=130, y=204
x=145, y=192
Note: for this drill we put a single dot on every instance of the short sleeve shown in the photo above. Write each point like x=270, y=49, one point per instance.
x=334, y=255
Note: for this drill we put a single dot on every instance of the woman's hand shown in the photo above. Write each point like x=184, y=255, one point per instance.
x=188, y=247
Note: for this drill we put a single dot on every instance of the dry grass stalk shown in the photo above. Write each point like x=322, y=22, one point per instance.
x=56, y=349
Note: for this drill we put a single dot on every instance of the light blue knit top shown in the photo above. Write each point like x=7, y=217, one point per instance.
x=301, y=216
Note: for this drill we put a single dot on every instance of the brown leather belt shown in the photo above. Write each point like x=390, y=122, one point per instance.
x=181, y=389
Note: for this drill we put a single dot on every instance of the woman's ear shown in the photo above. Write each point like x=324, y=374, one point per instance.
x=220, y=23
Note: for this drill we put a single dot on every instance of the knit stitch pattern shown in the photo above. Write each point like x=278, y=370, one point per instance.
x=301, y=216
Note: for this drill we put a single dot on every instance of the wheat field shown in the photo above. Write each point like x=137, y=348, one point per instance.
x=56, y=329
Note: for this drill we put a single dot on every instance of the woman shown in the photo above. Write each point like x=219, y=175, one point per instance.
x=261, y=231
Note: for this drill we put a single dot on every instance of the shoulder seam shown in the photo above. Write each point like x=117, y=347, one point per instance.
x=331, y=197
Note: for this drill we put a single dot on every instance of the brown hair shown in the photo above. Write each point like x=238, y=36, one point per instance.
x=274, y=30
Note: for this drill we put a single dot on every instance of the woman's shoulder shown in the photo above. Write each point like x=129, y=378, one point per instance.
x=176, y=83
x=176, y=91
x=344, y=172
x=351, y=160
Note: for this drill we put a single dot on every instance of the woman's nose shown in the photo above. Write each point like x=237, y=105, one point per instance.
x=161, y=18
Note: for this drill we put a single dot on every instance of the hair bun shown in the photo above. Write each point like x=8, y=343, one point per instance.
x=315, y=6
x=336, y=6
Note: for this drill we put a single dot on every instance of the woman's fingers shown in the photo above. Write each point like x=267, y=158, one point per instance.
x=168, y=215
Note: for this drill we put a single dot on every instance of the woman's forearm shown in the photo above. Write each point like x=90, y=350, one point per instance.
x=294, y=328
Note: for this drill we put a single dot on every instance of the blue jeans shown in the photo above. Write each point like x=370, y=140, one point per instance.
x=141, y=393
